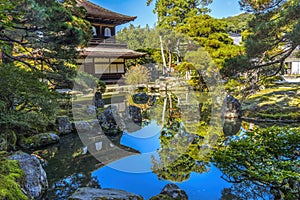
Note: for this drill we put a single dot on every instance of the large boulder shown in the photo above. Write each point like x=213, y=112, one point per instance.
x=64, y=125
x=36, y=183
x=88, y=193
x=171, y=192
x=231, y=108
x=110, y=121
x=38, y=140
x=134, y=114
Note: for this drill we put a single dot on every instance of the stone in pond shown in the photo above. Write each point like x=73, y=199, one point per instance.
x=231, y=108
x=39, y=140
x=140, y=98
x=64, y=125
x=171, y=192
x=88, y=193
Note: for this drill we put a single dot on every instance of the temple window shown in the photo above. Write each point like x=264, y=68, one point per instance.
x=94, y=31
x=107, y=32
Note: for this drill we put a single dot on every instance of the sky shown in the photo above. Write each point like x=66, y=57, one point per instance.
x=145, y=15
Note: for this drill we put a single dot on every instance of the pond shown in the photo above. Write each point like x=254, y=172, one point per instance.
x=171, y=143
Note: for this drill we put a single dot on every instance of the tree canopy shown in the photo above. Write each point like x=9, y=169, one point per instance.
x=274, y=33
x=38, y=44
x=172, y=13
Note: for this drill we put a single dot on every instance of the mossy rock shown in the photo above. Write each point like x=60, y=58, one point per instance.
x=39, y=140
x=163, y=197
x=11, y=179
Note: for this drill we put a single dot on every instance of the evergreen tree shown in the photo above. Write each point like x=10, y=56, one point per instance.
x=172, y=13
x=274, y=33
x=38, y=41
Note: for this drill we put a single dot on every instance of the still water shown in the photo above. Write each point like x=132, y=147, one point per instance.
x=134, y=174
x=170, y=146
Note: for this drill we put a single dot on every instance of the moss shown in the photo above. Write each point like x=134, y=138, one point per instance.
x=11, y=177
x=280, y=103
x=163, y=197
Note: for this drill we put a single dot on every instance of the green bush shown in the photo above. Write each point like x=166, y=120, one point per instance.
x=84, y=81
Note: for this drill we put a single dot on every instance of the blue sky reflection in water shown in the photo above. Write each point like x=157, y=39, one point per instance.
x=134, y=174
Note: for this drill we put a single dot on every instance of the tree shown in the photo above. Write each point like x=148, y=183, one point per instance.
x=274, y=34
x=265, y=156
x=38, y=42
x=172, y=13
x=237, y=24
x=137, y=75
x=211, y=34
x=43, y=39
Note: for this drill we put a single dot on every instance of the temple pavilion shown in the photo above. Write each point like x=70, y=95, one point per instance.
x=103, y=57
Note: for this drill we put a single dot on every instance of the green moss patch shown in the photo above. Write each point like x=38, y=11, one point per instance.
x=11, y=177
x=277, y=103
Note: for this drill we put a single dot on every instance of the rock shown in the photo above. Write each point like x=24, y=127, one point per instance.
x=91, y=110
x=140, y=98
x=231, y=126
x=82, y=126
x=64, y=125
x=36, y=179
x=39, y=140
x=88, y=193
x=94, y=123
x=171, y=192
x=108, y=121
x=231, y=108
x=134, y=113
x=98, y=102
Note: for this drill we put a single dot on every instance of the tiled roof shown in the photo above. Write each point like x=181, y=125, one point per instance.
x=98, y=12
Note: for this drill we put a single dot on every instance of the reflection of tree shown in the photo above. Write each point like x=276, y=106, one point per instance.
x=181, y=152
x=246, y=191
x=266, y=156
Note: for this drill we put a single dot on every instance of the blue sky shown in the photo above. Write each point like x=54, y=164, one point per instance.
x=220, y=8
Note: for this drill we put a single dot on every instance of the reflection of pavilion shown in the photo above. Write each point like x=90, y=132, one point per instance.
x=106, y=149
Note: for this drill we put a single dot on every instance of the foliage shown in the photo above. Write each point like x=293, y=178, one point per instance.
x=274, y=33
x=211, y=34
x=43, y=39
x=84, y=81
x=11, y=176
x=173, y=13
x=137, y=37
x=38, y=44
x=268, y=156
x=137, y=75
x=237, y=24
x=26, y=104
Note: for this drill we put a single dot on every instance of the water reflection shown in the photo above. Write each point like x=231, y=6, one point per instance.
x=170, y=141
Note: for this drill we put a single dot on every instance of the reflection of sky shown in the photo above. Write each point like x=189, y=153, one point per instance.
x=133, y=173
x=206, y=186
x=144, y=140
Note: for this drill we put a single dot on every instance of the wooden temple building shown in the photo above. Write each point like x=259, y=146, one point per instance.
x=104, y=58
